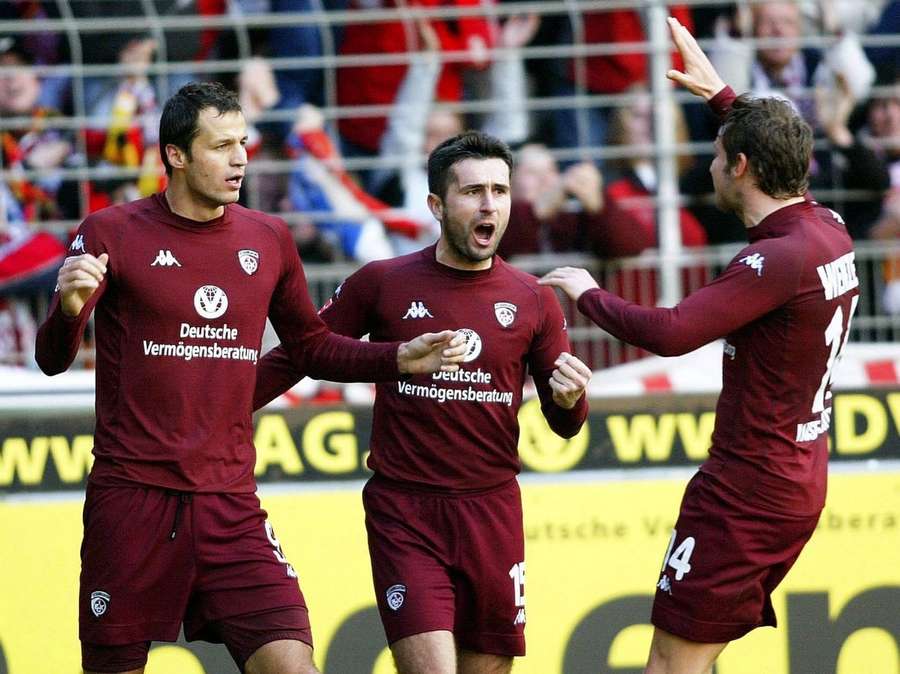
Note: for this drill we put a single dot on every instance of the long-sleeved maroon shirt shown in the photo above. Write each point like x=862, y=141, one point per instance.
x=453, y=432
x=179, y=322
x=783, y=305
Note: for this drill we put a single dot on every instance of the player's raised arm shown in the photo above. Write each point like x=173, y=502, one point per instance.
x=699, y=76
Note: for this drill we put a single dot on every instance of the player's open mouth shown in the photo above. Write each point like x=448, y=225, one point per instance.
x=235, y=181
x=484, y=234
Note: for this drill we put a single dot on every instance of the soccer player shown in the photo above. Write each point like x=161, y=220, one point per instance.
x=182, y=283
x=443, y=509
x=783, y=306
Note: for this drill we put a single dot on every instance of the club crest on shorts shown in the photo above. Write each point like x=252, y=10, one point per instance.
x=395, y=595
x=505, y=313
x=249, y=260
x=99, y=602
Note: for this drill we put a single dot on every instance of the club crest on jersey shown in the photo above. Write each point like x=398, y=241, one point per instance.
x=99, y=602
x=210, y=301
x=395, y=595
x=249, y=260
x=505, y=313
x=473, y=344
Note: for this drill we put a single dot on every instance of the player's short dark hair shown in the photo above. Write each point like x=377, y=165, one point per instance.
x=178, y=123
x=467, y=145
x=776, y=141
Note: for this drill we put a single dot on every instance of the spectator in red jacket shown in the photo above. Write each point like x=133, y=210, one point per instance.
x=629, y=225
x=378, y=84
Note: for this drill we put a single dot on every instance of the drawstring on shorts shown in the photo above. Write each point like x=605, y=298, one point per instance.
x=183, y=497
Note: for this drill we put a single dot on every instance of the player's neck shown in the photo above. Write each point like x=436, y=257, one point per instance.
x=758, y=207
x=446, y=255
x=182, y=202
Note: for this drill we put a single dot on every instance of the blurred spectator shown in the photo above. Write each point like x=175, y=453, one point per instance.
x=608, y=73
x=28, y=258
x=354, y=222
x=174, y=45
x=851, y=164
x=378, y=84
x=888, y=229
x=884, y=133
x=31, y=155
x=123, y=128
x=417, y=124
x=287, y=40
x=551, y=210
x=629, y=225
x=31, y=144
x=43, y=48
x=888, y=23
x=784, y=68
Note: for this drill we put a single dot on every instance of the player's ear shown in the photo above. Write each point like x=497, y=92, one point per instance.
x=176, y=156
x=436, y=206
x=741, y=166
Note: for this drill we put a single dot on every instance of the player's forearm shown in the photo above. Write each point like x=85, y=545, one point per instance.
x=337, y=358
x=565, y=422
x=275, y=374
x=721, y=103
x=665, y=332
x=58, y=339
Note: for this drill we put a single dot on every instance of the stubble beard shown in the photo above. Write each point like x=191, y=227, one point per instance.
x=458, y=241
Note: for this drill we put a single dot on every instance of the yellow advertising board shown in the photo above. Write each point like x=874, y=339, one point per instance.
x=594, y=545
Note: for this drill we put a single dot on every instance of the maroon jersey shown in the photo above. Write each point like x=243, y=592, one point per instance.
x=783, y=305
x=179, y=323
x=454, y=431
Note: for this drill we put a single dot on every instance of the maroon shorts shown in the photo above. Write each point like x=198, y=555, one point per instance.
x=152, y=559
x=449, y=562
x=723, y=562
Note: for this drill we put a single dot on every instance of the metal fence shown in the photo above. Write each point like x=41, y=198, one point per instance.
x=637, y=278
x=658, y=276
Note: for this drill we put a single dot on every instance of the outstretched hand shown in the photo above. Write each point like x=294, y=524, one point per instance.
x=699, y=76
x=569, y=380
x=431, y=352
x=78, y=278
x=573, y=281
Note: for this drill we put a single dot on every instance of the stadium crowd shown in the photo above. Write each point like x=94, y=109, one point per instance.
x=79, y=113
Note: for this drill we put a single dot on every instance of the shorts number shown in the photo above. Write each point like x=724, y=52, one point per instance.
x=680, y=559
x=835, y=337
x=517, y=573
x=279, y=555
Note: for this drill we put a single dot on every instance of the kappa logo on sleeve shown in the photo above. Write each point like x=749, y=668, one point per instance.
x=755, y=262
x=78, y=244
